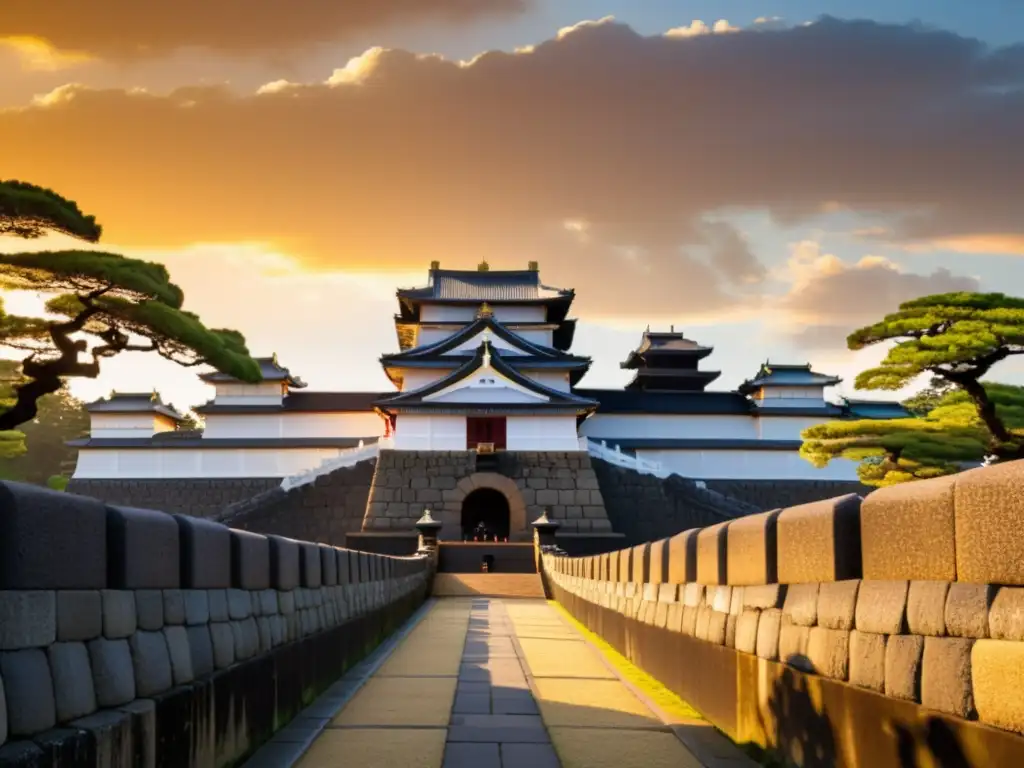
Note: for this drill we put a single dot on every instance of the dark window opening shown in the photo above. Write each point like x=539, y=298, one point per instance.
x=485, y=515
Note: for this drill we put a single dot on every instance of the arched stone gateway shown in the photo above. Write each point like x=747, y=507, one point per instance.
x=470, y=490
x=485, y=516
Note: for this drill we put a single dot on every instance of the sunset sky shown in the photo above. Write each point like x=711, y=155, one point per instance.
x=767, y=178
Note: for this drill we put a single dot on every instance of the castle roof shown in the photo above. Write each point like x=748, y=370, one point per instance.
x=134, y=402
x=302, y=402
x=638, y=401
x=270, y=370
x=780, y=375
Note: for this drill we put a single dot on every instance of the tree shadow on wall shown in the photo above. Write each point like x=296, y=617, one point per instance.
x=932, y=744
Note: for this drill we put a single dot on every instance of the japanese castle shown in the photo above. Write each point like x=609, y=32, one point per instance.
x=483, y=363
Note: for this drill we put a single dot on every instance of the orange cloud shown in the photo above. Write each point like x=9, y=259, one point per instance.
x=401, y=159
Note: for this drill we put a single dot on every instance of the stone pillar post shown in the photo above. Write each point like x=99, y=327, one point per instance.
x=428, y=528
x=544, y=530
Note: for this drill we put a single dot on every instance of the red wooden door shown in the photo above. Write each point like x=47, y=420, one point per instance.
x=485, y=429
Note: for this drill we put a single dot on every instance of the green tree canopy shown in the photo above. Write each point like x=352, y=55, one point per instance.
x=956, y=337
x=102, y=304
x=941, y=442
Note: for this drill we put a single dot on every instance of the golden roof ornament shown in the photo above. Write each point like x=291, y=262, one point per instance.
x=483, y=266
x=485, y=310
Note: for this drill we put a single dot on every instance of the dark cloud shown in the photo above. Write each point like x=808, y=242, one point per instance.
x=133, y=29
x=598, y=153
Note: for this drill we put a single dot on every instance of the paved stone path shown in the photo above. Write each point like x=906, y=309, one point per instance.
x=494, y=683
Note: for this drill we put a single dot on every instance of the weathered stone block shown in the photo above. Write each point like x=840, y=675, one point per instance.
x=689, y=623
x=111, y=733
x=1006, y=616
x=310, y=564
x=793, y=645
x=641, y=562
x=247, y=637
x=765, y=596
x=769, y=628
x=668, y=593
x=967, y=609
x=720, y=598
x=223, y=644
x=151, y=663
x=51, y=540
x=28, y=685
x=144, y=732
x=28, y=619
x=142, y=549
x=801, y=605
x=218, y=599
x=946, y=675
x=328, y=566
x=197, y=606
x=819, y=541
x=174, y=606
x=118, y=613
x=149, y=609
x=712, y=554
x=239, y=604
x=837, y=604
x=903, y=666
x=682, y=557
x=205, y=553
x=284, y=563
x=250, y=560
x=180, y=654
x=907, y=531
x=79, y=615
x=997, y=682
x=718, y=623
x=882, y=607
x=658, y=562
x=989, y=504
x=200, y=648
x=74, y=694
x=829, y=652
x=112, y=674
x=752, y=549
x=926, y=606
x=867, y=660
x=746, y=631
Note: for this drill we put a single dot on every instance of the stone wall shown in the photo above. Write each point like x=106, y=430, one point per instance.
x=325, y=510
x=196, y=497
x=776, y=494
x=408, y=482
x=905, y=608
x=122, y=629
x=644, y=507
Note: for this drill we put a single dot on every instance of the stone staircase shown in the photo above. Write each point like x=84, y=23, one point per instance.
x=511, y=585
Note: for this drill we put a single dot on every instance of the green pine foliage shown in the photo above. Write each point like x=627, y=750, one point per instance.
x=104, y=304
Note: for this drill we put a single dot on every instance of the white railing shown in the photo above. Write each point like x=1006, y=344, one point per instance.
x=618, y=458
x=347, y=457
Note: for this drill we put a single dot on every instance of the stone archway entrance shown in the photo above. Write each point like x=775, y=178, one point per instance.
x=453, y=507
x=485, y=515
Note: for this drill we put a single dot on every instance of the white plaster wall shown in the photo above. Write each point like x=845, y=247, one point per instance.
x=471, y=344
x=668, y=426
x=156, y=463
x=541, y=433
x=795, y=396
x=128, y=424
x=534, y=336
x=264, y=393
x=419, y=432
x=364, y=424
x=556, y=380
x=434, y=335
x=748, y=465
x=523, y=313
x=785, y=427
x=434, y=313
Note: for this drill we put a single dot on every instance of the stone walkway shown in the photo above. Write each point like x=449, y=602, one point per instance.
x=494, y=683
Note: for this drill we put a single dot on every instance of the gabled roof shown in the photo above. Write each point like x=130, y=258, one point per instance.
x=777, y=375
x=270, y=370
x=639, y=401
x=510, y=286
x=875, y=409
x=486, y=355
x=134, y=402
x=665, y=346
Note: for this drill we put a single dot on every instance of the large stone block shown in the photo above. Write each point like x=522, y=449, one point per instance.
x=119, y=620
x=746, y=631
x=284, y=563
x=907, y=531
x=967, y=609
x=769, y=628
x=837, y=604
x=200, y=648
x=989, y=506
x=997, y=680
x=51, y=540
x=328, y=566
x=882, y=607
x=712, y=554
x=682, y=557
x=926, y=606
x=310, y=564
x=867, y=660
x=174, y=606
x=197, y=606
x=74, y=693
x=223, y=644
x=752, y=550
x=250, y=560
x=180, y=654
x=79, y=614
x=151, y=663
x=205, y=553
x=149, y=609
x=142, y=549
x=112, y=673
x=819, y=541
x=658, y=566
x=1006, y=616
x=111, y=733
x=764, y=596
x=641, y=563
x=801, y=605
x=28, y=685
x=794, y=642
x=903, y=666
x=946, y=675
x=28, y=619
x=829, y=652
